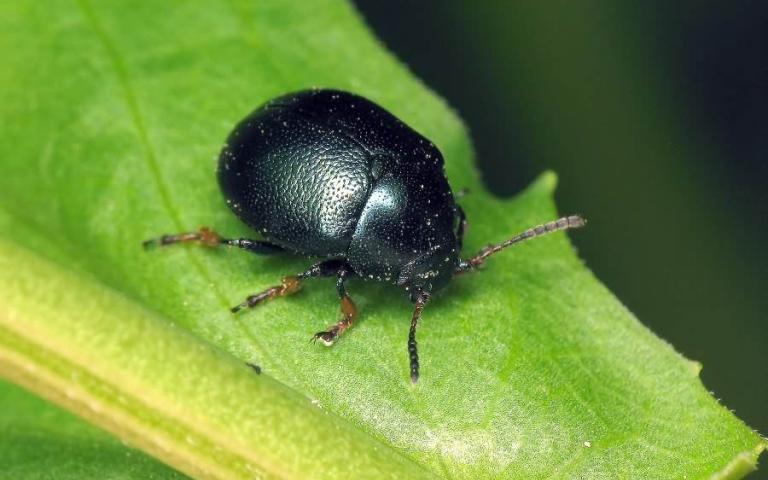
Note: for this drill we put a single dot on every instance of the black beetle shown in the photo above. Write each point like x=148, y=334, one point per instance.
x=329, y=174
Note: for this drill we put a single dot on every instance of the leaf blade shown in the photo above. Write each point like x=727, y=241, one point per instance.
x=509, y=371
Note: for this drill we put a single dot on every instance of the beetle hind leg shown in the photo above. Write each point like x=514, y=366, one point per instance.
x=348, y=311
x=210, y=238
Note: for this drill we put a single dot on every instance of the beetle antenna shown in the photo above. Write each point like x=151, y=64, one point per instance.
x=413, y=353
x=564, y=223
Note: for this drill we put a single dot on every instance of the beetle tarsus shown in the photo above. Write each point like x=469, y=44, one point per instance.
x=204, y=235
x=348, y=316
x=328, y=337
x=288, y=285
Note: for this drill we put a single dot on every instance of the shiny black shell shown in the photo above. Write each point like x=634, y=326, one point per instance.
x=330, y=174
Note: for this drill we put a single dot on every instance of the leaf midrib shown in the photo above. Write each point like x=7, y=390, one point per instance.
x=150, y=158
x=44, y=370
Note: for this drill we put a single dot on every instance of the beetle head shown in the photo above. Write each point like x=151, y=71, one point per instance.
x=431, y=270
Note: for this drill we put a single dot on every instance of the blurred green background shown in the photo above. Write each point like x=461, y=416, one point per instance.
x=655, y=116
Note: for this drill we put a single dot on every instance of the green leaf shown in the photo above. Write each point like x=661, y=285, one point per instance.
x=112, y=117
x=41, y=441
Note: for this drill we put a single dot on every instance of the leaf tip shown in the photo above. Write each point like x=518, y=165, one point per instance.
x=546, y=182
x=742, y=464
x=695, y=367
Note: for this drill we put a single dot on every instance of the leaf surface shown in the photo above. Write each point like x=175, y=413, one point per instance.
x=113, y=115
x=40, y=441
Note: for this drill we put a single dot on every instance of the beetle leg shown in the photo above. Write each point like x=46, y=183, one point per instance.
x=413, y=353
x=290, y=284
x=210, y=238
x=564, y=223
x=462, y=227
x=348, y=311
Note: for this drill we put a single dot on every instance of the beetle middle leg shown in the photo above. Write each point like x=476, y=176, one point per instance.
x=291, y=283
x=210, y=238
x=348, y=310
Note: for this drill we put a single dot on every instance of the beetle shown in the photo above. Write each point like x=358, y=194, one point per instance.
x=329, y=174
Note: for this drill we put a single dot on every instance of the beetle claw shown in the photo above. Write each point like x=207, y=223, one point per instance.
x=328, y=338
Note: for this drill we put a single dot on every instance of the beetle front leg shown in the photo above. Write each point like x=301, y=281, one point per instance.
x=413, y=353
x=348, y=312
